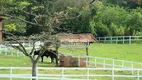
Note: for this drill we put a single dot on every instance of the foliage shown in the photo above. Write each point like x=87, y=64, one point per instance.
x=101, y=18
x=111, y=20
x=40, y=15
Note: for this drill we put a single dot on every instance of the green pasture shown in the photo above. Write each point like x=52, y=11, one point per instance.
x=130, y=52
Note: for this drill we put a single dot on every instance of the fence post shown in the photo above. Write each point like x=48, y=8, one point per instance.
x=10, y=73
x=0, y=50
x=113, y=63
x=62, y=73
x=123, y=40
x=130, y=40
x=95, y=62
x=132, y=66
x=5, y=50
x=113, y=73
x=87, y=73
x=79, y=60
x=104, y=39
x=31, y=76
x=99, y=39
x=104, y=64
x=11, y=51
x=138, y=75
x=111, y=39
x=123, y=65
x=37, y=73
x=117, y=40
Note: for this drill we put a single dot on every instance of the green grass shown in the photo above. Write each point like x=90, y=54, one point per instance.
x=14, y=61
x=130, y=52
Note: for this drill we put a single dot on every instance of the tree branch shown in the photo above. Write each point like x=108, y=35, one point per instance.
x=32, y=23
x=22, y=47
x=33, y=48
x=92, y=1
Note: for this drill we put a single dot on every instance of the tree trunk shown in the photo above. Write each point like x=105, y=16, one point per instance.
x=34, y=70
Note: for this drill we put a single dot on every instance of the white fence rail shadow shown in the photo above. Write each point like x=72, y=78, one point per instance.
x=61, y=73
x=119, y=39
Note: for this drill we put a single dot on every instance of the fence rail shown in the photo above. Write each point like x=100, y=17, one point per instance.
x=120, y=39
x=61, y=73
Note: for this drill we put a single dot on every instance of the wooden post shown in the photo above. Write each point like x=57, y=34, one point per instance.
x=87, y=54
x=87, y=51
x=1, y=28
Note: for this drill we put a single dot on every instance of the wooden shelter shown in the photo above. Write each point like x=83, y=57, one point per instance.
x=78, y=38
x=1, y=28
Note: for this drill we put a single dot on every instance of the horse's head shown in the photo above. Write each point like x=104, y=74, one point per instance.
x=36, y=52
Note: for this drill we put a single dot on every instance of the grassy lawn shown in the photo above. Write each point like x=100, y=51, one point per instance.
x=130, y=52
x=22, y=61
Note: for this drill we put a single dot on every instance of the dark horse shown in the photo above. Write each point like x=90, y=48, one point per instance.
x=48, y=53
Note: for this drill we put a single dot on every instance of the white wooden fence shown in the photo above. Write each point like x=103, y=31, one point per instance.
x=62, y=73
x=120, y=39
x=108, y=62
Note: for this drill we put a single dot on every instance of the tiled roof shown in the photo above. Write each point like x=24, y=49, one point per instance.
x=77, y=38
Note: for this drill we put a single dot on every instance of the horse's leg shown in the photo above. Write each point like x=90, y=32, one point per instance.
x=52, y=59
x=41, y=58
x=56, y=61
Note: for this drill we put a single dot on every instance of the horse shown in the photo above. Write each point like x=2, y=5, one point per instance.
x=48, y=53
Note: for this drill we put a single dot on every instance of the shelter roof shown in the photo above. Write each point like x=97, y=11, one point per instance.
x=77, y=38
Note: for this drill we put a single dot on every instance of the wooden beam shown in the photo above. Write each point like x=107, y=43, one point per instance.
x=1, y=28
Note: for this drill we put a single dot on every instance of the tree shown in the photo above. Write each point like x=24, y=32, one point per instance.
x=107, y=20
x=134, y=22
x=38, y=15
x=47, y=40
x=79, y=24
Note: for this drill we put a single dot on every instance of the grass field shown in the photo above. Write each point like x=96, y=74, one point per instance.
x=130, y=52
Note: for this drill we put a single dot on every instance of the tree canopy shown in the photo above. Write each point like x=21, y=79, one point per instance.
x=99, y=17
